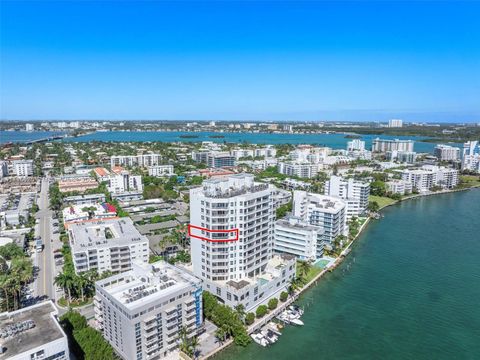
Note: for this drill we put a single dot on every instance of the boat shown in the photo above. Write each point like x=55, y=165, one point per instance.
x=259, y=339
x=274, y=328
x=296, y=308
x=293, y=314
x=296, y=322
x=270, y=336
x=284, y=318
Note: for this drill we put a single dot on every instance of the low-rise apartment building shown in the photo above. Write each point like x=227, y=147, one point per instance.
x=123, y=182
x=429, y=176
x=384, y=145
x=398, y=187
x=142, y=312
x=408, y=157
x=33, y=333
x=78, y=183
x=111, y=244
x=161, y=170
x=354, y=192
x=327, y=212
x=142, y=160
x=23, y=168
x=220, y=160
x=446, y=153
x=296, y=237
x=298, y=169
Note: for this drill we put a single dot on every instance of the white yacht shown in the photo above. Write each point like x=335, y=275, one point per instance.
x=259, y=339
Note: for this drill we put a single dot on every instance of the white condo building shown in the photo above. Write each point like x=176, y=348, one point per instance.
x=29, y=127
x=161, y=170
x=311, y=154
x=428, y=176
x=471, y=156
x=384, y=145
x=124, y=182
x=446, y=153
x=398, y=187
x=143, y=160
x=408, y=157
x=354, y=192
x=237, y=264
x=395, y=123
x=328, y=212
x=110, y=244
x=298, y=169
x=23, y=168
x=268, y=151
x=242, y=153
x=141, y=312
x=34, y=334
x=356, y=145
x=296, y=237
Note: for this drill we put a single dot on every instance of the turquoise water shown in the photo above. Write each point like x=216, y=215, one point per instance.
x=412, y=292
x=335, y=141
x=22, y=136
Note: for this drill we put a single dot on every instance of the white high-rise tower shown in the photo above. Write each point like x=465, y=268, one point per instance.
x=231, y=234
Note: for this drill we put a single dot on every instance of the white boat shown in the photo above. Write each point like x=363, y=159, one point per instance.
x=270, y=336
x=296, y=322
x=273, y=328
x=296, y=309
x=259, y=339
x=293, y=314
x=284, y=318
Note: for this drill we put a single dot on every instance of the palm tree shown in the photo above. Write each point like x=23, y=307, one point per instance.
x=81, y=282
x=221, y=334
x=193, y=346
x=65, y=282
x=304, y=268
x=185, y=344
x=294, y=285
x=240, y=311
x=5, y=283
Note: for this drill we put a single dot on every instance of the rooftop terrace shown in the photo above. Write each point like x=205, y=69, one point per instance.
x=103, y=233
x=45, y=329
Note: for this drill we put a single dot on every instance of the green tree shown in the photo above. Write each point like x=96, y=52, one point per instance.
x=250, y=318
x=283, y=296
x=378, y=188
x=283, y=210
x=240, y=311
x=303, y=268
x=273, y=303
x=64, y=280
x=373, y=206
x=261, y=311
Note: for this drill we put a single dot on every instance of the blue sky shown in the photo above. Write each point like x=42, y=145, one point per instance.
x=419, y=61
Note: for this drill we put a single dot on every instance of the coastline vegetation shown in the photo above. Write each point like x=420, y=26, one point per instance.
x=229, y=320
x=84, y=341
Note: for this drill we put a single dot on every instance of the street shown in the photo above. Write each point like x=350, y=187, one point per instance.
x=44, y=260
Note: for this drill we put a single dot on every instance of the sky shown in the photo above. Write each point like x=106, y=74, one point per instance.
x=226, y=60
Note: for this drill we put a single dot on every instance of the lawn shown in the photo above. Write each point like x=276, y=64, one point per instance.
x=382, y=201
x=314, y=271
x=467, y=181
